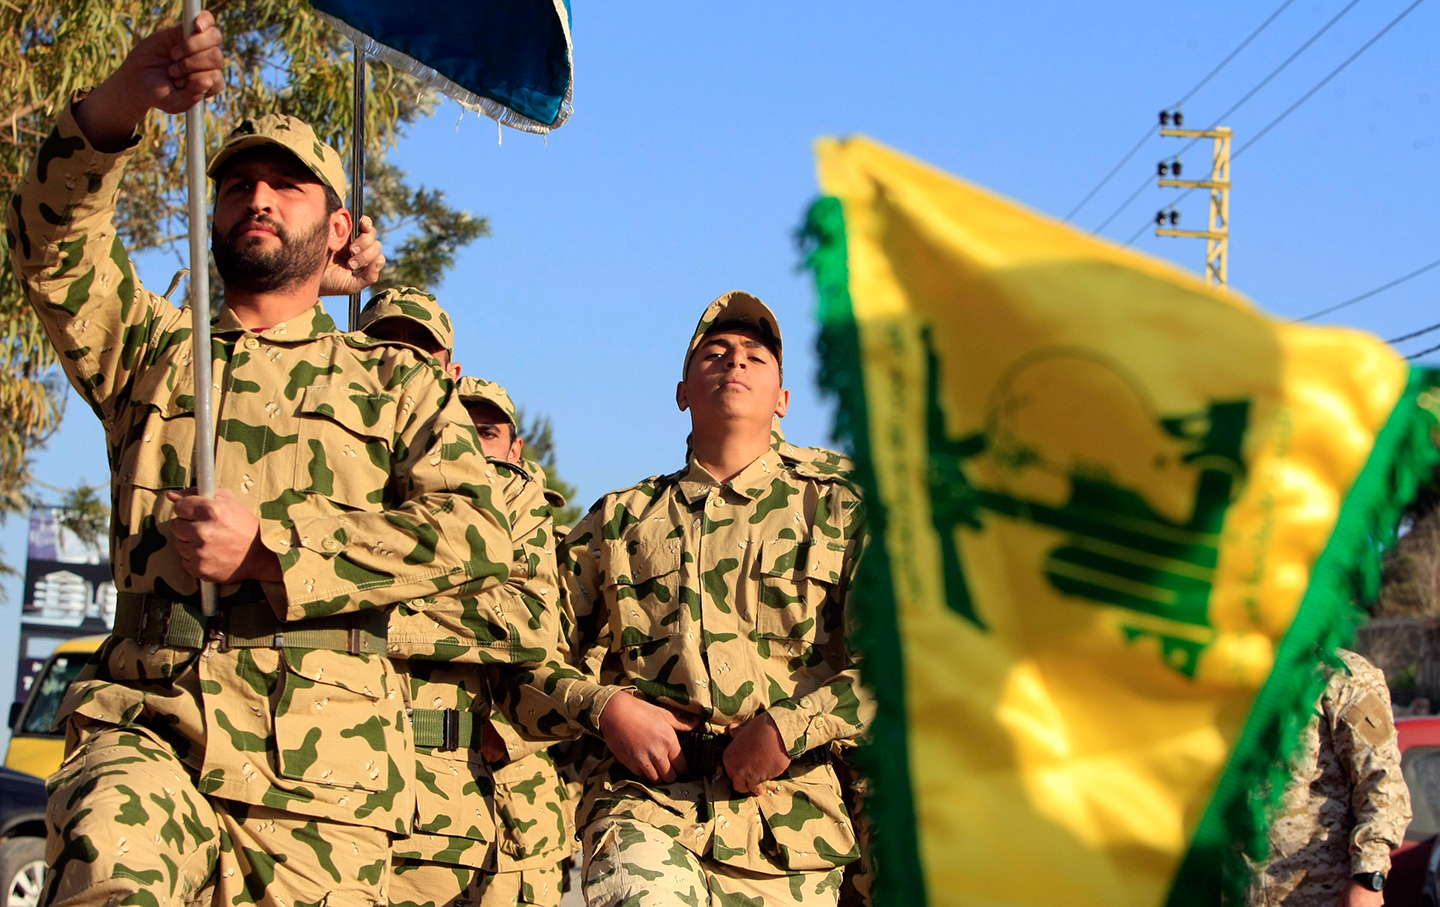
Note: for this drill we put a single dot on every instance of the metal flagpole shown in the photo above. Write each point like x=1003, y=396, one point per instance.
x=357, y=165
x=200, y=303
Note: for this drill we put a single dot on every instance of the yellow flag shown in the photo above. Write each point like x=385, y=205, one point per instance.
x=1119, y=518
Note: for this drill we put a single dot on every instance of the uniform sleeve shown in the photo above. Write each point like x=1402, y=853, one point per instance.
x=514, y=623
x=76, y=274
x=447, y=529
x=566, y=696
x=1368, y=747
x=841, y=708
x=517, y=745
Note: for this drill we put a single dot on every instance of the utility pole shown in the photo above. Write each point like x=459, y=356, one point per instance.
x=1217, y=236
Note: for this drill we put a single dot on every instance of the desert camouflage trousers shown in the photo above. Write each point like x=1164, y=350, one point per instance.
x=422, y=883
x=126, y=827
x=638, y=865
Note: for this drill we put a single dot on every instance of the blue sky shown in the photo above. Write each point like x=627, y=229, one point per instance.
x=687, y=166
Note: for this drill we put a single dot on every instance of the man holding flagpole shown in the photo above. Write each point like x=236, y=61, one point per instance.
x=261, y=755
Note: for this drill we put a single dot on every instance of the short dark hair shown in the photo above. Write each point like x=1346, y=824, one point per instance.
x=750, y=329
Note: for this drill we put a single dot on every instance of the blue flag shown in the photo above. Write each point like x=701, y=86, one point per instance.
x=509, y=59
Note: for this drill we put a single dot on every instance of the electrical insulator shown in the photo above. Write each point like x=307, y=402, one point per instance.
x=1174, y=218
x=1161, y=168
x=1178, y=119
x=1175, y=168
x=1164, y=118
x=1159, y=218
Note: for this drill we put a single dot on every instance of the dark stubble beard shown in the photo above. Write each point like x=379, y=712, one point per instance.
x=244, y=266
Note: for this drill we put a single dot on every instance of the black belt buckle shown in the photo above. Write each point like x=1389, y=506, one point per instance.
x=704, y=752
x=450, y=730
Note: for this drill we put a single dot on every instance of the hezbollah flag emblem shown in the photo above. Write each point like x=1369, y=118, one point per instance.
x=1119, y=518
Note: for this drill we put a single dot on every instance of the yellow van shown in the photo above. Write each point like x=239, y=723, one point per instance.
x=36, y=746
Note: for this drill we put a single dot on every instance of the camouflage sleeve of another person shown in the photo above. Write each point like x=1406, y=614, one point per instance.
x=566, y=695
x=1358, y=709
x=841, y=708
x=445, y=529
x=76, y=274
x=515, y=623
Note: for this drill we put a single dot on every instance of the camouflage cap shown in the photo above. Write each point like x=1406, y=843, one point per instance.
x=478, y=390
x=295, y=136
x=414, y=304
x=736, y=305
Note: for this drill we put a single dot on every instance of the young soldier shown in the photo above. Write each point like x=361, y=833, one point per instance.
x=490, y=826
x=708, y=651
x=262, y=755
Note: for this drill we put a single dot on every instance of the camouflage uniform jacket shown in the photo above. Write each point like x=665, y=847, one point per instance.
x=452, y=651
x=722, y=600
x=367, y=478
x=1346, y=805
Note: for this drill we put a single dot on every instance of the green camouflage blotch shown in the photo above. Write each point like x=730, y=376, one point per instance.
x=304, y=375
x=714, y=582
x=244, y=741
x=309, y=835
x=258, y=441
x=322, y=477
x=295, y=763
x=371, y=730
x=779, y=498
x=802, y=810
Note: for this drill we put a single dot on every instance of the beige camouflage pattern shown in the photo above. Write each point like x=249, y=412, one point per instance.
x=169, y=845
x=369, y=485
x=295, y=136
x=720, y=600
x=483, y=832
x=1346, y=805
x=440, y=885
x=636, y=864
x=738, y=306
x=478, y=390
x=364, y=491
x=412, y=305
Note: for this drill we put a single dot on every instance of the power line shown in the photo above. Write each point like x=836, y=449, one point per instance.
x=1289, y=110
x=1234, y=53
x=1413, y=334
x=1333, y=73
x=1423, y=353
x=1188, y=95
x=1244, y=99
x=1380, y=289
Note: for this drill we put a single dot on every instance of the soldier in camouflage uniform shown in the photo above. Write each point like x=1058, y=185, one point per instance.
x=1346, y=805
x=261, y=756
x=708, y=651
x=491, y=821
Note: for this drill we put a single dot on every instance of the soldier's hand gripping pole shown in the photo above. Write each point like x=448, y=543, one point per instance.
x=200, y=303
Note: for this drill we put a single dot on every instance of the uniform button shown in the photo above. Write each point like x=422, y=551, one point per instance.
x=820, y=723
x=251, y=343
x=329, y=544
x=804, y=702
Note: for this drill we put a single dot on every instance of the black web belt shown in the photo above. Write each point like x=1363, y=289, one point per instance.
x=249, y=625
x=704, y=754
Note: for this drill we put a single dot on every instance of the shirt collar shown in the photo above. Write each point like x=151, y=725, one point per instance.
x=696, y=481
x=312, y=322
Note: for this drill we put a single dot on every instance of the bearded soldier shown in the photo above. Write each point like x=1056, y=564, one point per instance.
x=261, y=755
